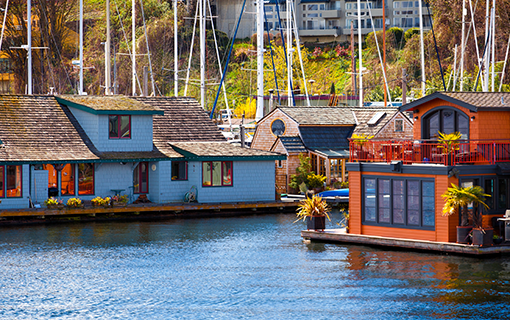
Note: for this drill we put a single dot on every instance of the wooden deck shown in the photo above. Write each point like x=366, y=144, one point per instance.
x=339, y=235
x=146, y=210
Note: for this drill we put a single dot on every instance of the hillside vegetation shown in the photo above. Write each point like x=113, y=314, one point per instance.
x=328, y=65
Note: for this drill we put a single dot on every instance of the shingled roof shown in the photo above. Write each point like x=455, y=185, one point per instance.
x=37, y=129
x=470, y=100
x=108, y=104
x=364, y=115
x=320, y=115
x=292, y=144
x=211, y=150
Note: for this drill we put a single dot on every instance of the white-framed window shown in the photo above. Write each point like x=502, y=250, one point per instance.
x=399, y=125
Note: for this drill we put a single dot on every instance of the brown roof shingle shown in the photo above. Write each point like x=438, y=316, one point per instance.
x=109, y=103
x=320, y=115
x=220, y=149
x=36, y=128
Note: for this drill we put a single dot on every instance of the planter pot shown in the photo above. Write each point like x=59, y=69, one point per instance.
x=119, y=204
x=498, y=241
x=55, y=206
x=463, y=234
x=316, y=223
x=483, y=237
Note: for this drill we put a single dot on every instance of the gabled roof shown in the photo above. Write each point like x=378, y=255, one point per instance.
x=221, y=151
x=108, y=104
x=320, y=115
x=184, y=120
x=292, y=144
x=473, y=101
x=334, y=138
x=364, y=115
x=36, y=129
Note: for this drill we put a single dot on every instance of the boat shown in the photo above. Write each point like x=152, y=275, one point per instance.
x=344, y=192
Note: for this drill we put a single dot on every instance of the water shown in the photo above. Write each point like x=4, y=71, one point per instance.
x=254, y=267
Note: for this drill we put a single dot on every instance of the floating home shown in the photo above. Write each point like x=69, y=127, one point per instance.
x=322, y=134
x=396, y=185
x=156, y=147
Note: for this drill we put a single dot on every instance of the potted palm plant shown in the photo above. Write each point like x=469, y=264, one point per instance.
x=455, y=197
x=314, y=211
x=449, y=142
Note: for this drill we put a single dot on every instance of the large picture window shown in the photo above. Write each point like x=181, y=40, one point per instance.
x=67, y=178
x=141, y=178
x=119, y=127
x=179, y=170
x=216, y=173
x=447, y=120
x=85, y=178
x=10, y=181
x=399, y=202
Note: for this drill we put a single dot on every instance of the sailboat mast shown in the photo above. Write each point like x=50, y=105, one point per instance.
x=289, y=53
x=360, y=44
x=176, y=65
x=462, y=47
x=29, y=46
x=487, y=42
x=133, y=45
x=260, y=60
x=493, y=39
x=107, y=45
x=422, y=50
x=202, y=53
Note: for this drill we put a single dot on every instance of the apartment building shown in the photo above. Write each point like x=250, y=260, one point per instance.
x=323, y=21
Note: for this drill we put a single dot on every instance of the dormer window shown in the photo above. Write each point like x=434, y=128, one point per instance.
x=119, y=127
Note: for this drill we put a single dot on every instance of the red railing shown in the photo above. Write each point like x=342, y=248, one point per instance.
x=430, y=151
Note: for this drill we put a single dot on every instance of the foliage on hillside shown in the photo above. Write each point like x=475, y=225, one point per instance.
x=325, y=65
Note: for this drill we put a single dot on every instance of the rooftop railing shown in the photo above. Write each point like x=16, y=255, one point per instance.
x=480, y=152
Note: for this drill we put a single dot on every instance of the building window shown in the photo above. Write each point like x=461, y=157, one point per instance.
x=399, y=203
x=85, y=178
x=179, y=170
x=312, y=7
x=399, y=125
x=119, y=127
x=280, y=164
x=10, y=181
x=67, y=180
x=216, y=173
x=447, y=121
x=141, y=178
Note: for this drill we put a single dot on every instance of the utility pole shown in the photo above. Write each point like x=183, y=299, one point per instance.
x=176, y=65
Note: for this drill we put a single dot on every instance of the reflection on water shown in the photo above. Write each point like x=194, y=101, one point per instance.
x=247, y=267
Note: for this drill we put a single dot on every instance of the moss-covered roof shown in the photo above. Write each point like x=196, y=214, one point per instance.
x=108, y=104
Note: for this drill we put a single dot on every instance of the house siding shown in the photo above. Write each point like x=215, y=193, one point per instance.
x=96, y=128
x=264, y=138
x=445, y=227
x=252, y=181
x=388, y=131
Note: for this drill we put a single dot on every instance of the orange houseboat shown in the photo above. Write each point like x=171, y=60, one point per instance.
x=396, y=185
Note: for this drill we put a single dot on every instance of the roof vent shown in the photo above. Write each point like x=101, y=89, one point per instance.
x=376, y=117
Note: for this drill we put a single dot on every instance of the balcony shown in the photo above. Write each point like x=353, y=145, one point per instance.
x=474, y=152
x=331, y=14
x=319, y=32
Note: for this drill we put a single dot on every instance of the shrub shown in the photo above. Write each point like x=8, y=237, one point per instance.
x=74, y=202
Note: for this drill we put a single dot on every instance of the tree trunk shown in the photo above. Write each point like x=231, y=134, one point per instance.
x=464, y=216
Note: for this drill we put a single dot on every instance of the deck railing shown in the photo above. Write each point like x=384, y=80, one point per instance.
x=430, y=151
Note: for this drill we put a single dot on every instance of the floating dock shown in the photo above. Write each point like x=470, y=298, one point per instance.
x=340, y=236
x=143, y=211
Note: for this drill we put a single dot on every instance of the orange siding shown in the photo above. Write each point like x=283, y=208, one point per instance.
x=445, y=230
x=355, y=202
x=485, y=125
x=399, y=233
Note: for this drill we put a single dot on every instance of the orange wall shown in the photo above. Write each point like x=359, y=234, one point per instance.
x=445, y=230
x=486, y=124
